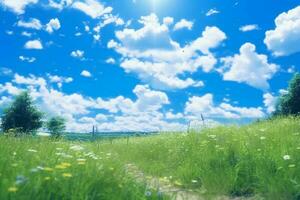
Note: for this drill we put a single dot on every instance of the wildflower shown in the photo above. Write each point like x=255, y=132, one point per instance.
x=66, y=164
x=12, y=189
x=67, y=175
x=194, y=181
x=262, y=137
x=178, y=183
x=148, y=193
x=20, y=179
x=76, y=148
x=32, y=150
x=292, y=166
x=212, y=136
x=48, y=169
x=286, y=157
x=38, y=168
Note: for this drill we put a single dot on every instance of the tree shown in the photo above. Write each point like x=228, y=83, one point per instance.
x=289, y=104
x=56, y=125
x=22, y=115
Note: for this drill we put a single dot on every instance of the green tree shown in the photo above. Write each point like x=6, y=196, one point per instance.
x=56, y=125
x=22, y=115
x=289, y=104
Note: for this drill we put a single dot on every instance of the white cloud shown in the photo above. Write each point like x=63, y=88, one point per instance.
x=10, y=89
x=86, y=73
x=183, y=23
x=212, y=11
x=32, y=23
x=172, y=116
x=31, y=80
x=204, y=105
x=26, y=34
x=92, y=8
x=53, y=25
x=110, y=61
x=162, y=62
x=121, y=114
x=33, y=44
x=270, y=102
x=77, y=54
x=59, y=80
x=4, y=71
x=168, y=20
x=60, y=4
x=285, y=38
x=249, y=67
x=27, y=59
x=17, y=6
x=249, y=27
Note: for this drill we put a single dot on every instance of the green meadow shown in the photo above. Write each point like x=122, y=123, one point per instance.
x=257, y=161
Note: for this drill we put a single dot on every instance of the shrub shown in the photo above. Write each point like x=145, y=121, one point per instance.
x=56, y=125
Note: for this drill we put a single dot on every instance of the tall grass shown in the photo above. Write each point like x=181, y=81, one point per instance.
x=32, y=168
x=262, y=159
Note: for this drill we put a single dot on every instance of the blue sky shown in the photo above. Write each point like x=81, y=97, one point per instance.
x=137, y=65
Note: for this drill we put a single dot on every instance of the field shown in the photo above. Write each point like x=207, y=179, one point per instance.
x=257, y=161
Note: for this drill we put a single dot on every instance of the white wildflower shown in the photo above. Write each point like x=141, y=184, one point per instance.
x=286, y=157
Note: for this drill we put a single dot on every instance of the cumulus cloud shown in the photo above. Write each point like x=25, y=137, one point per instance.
x=53, y=25
x=284, y=40
x=114, y=114
x=160, y=61
x=183, y=23
x=59, y=80
x=17, y=6
x=92, y=8
x=60, y=4
x=249, y=27
x=270, y=102
x=86, y=73
x=110, y=61
x=249, y=67
x=32, y=23
x=204, y=105
x=33, y=44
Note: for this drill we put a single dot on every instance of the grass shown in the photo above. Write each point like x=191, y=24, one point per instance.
x=260, y=160
x=34, y=168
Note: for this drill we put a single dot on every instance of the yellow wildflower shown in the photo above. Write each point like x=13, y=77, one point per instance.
x=12, y=189
x=67, y=175
x=48, y=169
x=178, y=183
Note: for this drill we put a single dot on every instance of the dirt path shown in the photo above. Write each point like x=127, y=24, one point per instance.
x=169, y=189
